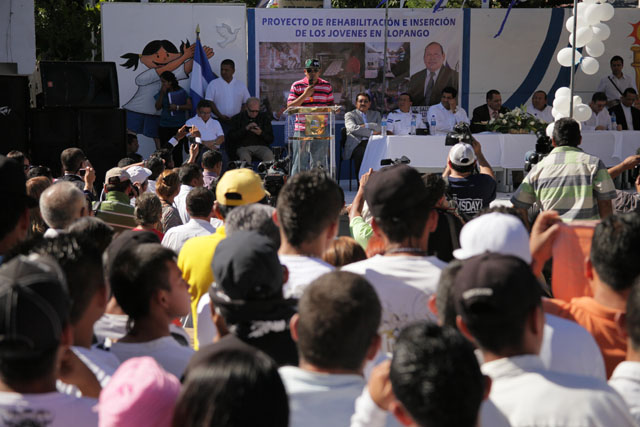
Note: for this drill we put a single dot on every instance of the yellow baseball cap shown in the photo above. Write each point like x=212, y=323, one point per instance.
x=239, y=187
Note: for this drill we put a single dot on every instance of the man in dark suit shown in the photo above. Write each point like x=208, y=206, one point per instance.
x=626, y=110
x=425, y=87
x=488, y=111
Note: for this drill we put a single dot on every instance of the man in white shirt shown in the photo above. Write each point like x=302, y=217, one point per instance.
x=600, y=119
x=211, y=134
x=615, y=83
x=404, y=277
x=335, y=330
x=190, y=177
x=626, y=377
x=227, y=94
x=35, y=334
x=539, y=107
x=459, y=112
x=60, y=205
x=399, y=120
x=441, y=114
x=627, y=116
x=307, y=214
x=200, y=208
x=499, y=308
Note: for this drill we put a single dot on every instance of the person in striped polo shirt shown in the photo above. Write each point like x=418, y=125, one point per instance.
x=312, y=91
x=569, y=181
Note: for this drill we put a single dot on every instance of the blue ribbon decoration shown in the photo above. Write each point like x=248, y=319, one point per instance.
x=504, y=21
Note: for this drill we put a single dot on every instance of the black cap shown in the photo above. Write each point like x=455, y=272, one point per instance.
x=246, y=267
x=13, y=183
x=127, y=239
x=34, y=306
x=394, y=189
x=494, y=286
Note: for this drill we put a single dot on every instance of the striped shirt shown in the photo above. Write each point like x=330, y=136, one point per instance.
x=322, y=97
x=116, y=211
x=568, y=181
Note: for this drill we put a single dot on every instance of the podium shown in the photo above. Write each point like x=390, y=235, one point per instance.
x=311, y=138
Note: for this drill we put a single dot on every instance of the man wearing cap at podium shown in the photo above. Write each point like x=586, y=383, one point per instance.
x=312, y=91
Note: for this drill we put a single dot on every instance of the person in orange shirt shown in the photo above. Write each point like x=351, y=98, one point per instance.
x=610, y=269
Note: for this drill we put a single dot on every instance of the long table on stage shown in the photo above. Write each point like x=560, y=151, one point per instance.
x=502, y=151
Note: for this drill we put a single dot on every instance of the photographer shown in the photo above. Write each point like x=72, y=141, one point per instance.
x=470, y=190
x=251, y=134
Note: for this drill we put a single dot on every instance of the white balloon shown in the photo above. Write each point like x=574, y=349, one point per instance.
x=576, y=100
x=581, y=9
x=550, y=127
x=561, y=103
x=559, y=114
x=564, y=56
x=601, y=31
x=589, y=65
x=582, y=112
x=606, y=11
x=592, y=14
x=569, y=24
x=589, y=1
x=563, y=92
x=583, y=36
x=595, y=48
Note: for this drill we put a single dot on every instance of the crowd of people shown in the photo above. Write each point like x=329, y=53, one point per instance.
x=175, y=294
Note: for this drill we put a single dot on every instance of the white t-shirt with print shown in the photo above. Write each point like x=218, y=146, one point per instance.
x=46, y=409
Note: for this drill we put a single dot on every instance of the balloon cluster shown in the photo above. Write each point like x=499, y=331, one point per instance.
x=590, y=34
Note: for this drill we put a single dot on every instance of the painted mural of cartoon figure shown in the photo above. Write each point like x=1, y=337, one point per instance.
x=158, y=56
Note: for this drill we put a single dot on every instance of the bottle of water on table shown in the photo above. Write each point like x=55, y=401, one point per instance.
x=383, y=131
x=614, y=125
x=413, y=125
x=432, y=125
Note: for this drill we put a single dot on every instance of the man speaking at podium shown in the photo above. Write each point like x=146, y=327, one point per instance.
x=312, y=91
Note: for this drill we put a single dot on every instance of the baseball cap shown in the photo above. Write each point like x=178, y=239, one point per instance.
x=125, y=240
x=13, y=182
x=462, y=154
x=393, y=189
x=246, y=267
x=494, y=286
x=140, y=392
x=312, y=63
x=119, y=173
x=34, y=306
x=494, y=232
x=239, y=187
x=138, y=174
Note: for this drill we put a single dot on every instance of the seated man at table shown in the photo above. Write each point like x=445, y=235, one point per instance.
x=627, y=116
x=251, y=134
x=210, y=130
x=360, y=124
x=399, y=120
x=471, y=191
x=490, y=110
x=600, y=119
x=539, y=107
x=441, y=118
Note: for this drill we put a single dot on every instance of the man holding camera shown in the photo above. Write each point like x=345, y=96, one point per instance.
x=251, y=134
x=471, y=191
x=568, y=180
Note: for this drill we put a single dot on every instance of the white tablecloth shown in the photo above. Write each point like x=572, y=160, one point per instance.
x=501, y=150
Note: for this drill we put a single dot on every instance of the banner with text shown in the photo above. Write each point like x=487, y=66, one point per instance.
x=424, y=51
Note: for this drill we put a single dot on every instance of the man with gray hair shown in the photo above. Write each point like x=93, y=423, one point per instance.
x=60, y=205
x=251, y=133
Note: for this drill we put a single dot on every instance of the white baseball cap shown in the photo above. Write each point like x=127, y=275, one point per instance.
x=139, y=174
x=462, y=154
x=494, y=232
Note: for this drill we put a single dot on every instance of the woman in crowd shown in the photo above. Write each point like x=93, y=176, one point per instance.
x=167, y=188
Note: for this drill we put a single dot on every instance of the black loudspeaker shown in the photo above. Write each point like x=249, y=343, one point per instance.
x=79, y=84
x=103, y=136
x=14, y=108
x=52, y=130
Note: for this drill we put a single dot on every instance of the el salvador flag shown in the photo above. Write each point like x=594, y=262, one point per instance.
x=201, y=75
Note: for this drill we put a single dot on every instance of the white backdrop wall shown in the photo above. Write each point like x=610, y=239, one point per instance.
x=17, y=34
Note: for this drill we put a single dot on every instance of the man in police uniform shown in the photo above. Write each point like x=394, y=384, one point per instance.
x=399, y=120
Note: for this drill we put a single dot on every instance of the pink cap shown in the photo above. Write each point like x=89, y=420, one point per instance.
x=139, y=394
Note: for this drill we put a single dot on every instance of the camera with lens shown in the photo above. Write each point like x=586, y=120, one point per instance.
x=404, y=160
x=274, y=176
x=239, y=164
x=460, y=133
x=543, y=147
